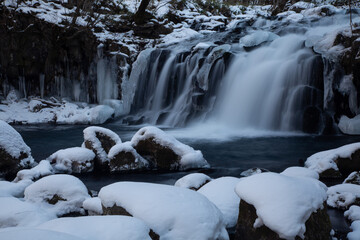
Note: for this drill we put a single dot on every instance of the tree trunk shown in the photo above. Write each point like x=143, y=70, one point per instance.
x=140, y=14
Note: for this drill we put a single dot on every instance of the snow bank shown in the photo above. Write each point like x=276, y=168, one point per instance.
x=172, y=212
x=12, y=142
x=62, y=193
x=189, y=157
x=300, y=172
x=256, y=38
x=93, y=205
x=325, y=160
x=17, y=213
x=193, y=181
x=100, y=227
x=43, y=169
x=13, y=189
x=343, y=195
x=282, y=203
x=74, y=159
x=221, y=192
x=91, y=135
x=33, y=233
x=350, y=126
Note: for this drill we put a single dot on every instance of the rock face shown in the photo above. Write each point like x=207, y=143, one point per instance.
x=100, y=141
x=123, y=157
x=14, y=153
x=318, y=226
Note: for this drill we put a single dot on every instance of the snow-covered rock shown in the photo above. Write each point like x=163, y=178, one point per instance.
x=283, y=204
x=100, y=227
x=13, y=189
x=256, y=38
x=353, y=214
x=300, y=172
x=355, y=233
x=353, y=178
x=75, y=159
x=253, y=171
x=13, y=96
x=36, y=105
x=299, y=6
x=17, y=213
x=336, y=162
x=350, y=126
x=100, y=141
x=43, y=169
x=343, y=195
x=123, y=157
x=172, y=212
x=165, y=152
x=93, y=206
x=193, y=181
x=221, y=192
x=61, y=194
x=34, y=233
x=14, y=153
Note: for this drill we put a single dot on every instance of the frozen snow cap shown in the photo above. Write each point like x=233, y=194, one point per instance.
x=282, y=203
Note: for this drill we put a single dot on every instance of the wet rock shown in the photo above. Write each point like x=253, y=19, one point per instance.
x=318, y=226
x=353, y=178
x=123, y=157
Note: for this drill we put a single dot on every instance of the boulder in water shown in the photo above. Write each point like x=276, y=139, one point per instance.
x=193, y=181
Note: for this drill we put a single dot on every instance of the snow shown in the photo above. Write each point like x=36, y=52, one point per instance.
x=75, y=159
x=90, y=135
x=33, y=104
x=282, y=203
x=43, y=169
x=17, y=213
x=189, y=157
x=343, y=195
x=93, y=205
x=180, y=34
x=325, y=160
x=302, y=5
x=12, y=189
x=127, y=147
x=172, y=212
x=12, y=142
x=300, y=172
x=33, y=233
x=252, y=171
x=202, y=45
x=67, y=187
x=256, y=38
x=193, y=181
x=353, y=178
x=353, y=214
x=100, y=227
x=354, y=235
x=350, y=126
x=221, y=192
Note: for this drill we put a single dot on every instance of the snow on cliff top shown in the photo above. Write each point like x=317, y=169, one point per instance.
x=282, y=203
x=100, y=227
x=190, y=158
x=172, y=212
x=325, y=160
x=12, y=142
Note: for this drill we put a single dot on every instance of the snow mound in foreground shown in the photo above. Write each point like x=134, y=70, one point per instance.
x=32, y=234
x=172, y=212
x=193, y=181
x=13, y=189
x=221, y=192
x=62, y=193
x=282, y=203
x=300, y=172
x=100, y=227
x=93, y=206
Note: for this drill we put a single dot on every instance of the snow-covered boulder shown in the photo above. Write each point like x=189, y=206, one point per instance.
x=100, y=227
x=353, y=214
x=257, y=38
x=172, y=212
x=36, y=105
x=14, y=153
x=73, y=160
x=43, y=169
x=343, y=195
x=100, y=141
x=34, y=233
x=299, y=6
x=93, y=206
x=100, y=114
x=337, y=162
x=165, y=152
x=193, y=181
x=300, y=172
x=13, y=189
x=61, y=194
x=350, y=126
x=221, y=192
x=275, y=206
x=353, y=178
x=17, y=213
x=123, y=157
x=253, y=171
